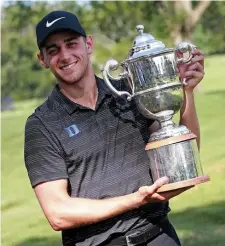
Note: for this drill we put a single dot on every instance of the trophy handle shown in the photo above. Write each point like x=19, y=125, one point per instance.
x=112, y=65
x=183, y=48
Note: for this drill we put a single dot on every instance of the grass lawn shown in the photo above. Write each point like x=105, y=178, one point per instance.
x=198, y=214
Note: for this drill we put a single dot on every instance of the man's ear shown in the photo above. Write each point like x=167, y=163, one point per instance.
x=40, y=56
x=90, y=44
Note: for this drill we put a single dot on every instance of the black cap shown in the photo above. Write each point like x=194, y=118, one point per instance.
x=56, y=21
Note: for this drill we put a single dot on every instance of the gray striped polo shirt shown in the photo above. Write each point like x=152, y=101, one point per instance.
x=100, y=152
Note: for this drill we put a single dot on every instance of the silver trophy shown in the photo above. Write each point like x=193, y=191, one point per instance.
x=151, y=75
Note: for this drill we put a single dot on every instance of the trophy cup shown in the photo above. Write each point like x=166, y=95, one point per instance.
x=151, y=75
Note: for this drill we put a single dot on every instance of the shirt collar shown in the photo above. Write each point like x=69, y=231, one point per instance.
x=70, y=106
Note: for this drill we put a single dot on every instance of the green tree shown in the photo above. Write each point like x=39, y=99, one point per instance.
x=20, y=68
x=22, y=75
x=210, y=32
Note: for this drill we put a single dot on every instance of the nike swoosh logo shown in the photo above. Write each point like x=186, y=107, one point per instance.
x=48, y=24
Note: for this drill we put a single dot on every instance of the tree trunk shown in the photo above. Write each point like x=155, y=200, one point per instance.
x=183, y=31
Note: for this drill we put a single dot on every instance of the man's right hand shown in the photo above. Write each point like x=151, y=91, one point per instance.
x=148, y=194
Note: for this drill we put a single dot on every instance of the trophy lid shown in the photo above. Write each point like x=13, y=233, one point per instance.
x=145, y=44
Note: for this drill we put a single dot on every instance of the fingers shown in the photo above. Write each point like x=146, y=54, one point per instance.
x=167, y=195
x=193, y=75
x=191, y=84
x=149, y=194
x=192, y=69
x=198, y=57
x=196, y=66
x=197, y=52
x=160, y=182
x=194, y=72
x=196, y=75
x=149, y=190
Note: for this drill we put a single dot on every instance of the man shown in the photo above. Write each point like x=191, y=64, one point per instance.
x=84, y=148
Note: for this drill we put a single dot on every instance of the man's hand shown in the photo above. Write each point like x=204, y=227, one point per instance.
x=192, y=72
x=64, y=212
x=148, y=194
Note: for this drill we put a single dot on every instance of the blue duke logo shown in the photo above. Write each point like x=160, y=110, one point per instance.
x=72, y=130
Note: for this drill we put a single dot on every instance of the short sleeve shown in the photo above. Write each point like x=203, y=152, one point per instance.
x=43, y=158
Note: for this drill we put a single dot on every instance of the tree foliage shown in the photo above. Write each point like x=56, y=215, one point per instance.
x=112, y=23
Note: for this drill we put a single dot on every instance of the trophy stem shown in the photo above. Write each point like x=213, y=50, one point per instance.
x=165, y=118
x=167, y=123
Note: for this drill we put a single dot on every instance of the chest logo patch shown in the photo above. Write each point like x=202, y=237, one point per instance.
x=72, y=130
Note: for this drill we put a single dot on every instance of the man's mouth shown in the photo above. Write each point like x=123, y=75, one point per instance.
x=68, y=66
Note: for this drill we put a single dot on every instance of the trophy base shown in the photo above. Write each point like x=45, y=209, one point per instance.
x=184, y=183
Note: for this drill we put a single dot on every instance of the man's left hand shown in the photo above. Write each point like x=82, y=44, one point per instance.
x=192, y=72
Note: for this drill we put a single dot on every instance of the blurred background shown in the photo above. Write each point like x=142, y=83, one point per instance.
x=198, y=214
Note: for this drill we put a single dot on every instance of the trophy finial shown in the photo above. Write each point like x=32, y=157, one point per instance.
x=140, y=29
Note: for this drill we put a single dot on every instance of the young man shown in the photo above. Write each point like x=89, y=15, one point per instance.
x=84, y=148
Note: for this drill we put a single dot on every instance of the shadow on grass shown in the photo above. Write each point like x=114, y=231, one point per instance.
x=10, y=205
x=40, y=241
x=216, y=92
x=201, y=226
x=196, y=227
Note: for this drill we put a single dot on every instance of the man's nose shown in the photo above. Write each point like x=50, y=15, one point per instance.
x=64, y=54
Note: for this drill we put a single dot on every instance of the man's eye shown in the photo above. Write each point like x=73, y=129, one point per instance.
x=52, y=51
x=72, y=44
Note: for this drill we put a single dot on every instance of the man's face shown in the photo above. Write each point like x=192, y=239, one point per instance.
x=67, y=55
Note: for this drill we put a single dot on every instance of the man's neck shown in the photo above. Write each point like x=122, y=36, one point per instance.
x=84, y=92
